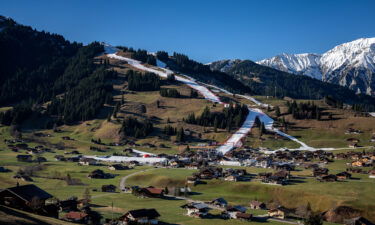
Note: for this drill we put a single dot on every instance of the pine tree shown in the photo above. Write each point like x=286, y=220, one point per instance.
x=166, y=190
x=86, y=197
x=54, y=127
x=216, y=122
x=114, y=114
x=314, y=219
x=277, y=111
x=180, y=136
x=229, y=124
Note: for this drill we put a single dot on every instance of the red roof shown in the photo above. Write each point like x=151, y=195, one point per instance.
x=75, y=215
x=155, y=191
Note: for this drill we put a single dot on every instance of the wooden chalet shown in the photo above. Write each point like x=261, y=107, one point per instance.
x=195, y=209
x=279, y=213
x=140, y=216
x=29, y=198
x=257, y=205
x=109, y=188
x=77, y=217
x=24, y=158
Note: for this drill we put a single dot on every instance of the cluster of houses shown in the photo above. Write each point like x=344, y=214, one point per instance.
x=280, y=177
x=17, y=145
x=322, y=174
x=201, y=210
x=34, y=199
x=354, y=142
x=359, y=159
x=213, y=172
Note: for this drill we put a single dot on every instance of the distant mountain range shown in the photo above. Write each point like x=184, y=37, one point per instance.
x=350, y=64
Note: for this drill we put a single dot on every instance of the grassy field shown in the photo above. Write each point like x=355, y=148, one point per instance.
x=11, y=216
x=320, y=134
x=322, y=196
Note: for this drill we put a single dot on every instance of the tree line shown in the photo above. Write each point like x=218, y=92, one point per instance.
x=140, y=55
x=142, y=82
x=132, y=127
x=169, y=93
x=304, y=110
x=230, y=117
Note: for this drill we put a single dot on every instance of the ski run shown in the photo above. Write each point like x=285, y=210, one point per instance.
x=235, y=139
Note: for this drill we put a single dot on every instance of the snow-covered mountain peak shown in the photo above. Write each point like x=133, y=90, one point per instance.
x=305, y=63
x=350, y=64
x=357, y=53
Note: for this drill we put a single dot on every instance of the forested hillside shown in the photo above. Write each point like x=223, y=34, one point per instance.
x=183, y=64
x=38, y=66
x=263, y=80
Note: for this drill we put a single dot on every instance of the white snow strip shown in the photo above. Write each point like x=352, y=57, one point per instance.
x=268, y=124
x=246, y=128
x=142, y=152
x=239, y=134
x=119, y=159
x=263, y=105
x=207, y=94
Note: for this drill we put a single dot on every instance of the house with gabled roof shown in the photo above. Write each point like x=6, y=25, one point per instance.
x=76, y=217
x=25, y=197
x=220, y=202
x=257, y=205
x=141, y=216
x=196, y=209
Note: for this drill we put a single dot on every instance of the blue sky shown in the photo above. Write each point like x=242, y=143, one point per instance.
x=204, y=30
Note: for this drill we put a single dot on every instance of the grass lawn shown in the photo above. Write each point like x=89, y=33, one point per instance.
x=322, y=196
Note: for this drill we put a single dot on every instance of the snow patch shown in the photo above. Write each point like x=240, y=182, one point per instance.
x=119, y=159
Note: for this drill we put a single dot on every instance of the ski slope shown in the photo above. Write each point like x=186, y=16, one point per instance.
x=235, y=139
x=207, y=94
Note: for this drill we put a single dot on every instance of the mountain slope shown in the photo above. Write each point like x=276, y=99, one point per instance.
x=182, y=63
x=350, y=64
x=39, y=67
x=264, y=80
x=306, y=64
